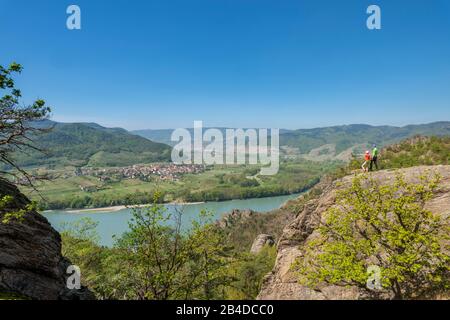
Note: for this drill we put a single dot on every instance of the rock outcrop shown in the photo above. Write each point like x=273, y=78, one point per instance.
x=235, y=216
x=261, y=241
x=281, y=283
x=31, y=264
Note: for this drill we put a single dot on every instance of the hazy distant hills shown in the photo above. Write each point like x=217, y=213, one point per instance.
x=336, y=142
x=163, y=135
x=91, y=144
x=158, y=135
x=342, y=138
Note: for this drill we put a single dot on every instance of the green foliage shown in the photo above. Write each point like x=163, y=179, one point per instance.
x=249, y=272
x=16, y=214
x=385, y=225
x=97, y=201
x=416, y=151
x=158, y=260
x=243, y=232
x=293, y=177
x=164, y=262
x=97, y=264
x=16, y=130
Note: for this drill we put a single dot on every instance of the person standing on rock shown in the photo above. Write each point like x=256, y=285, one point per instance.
x=367, y=159
x=374, y=159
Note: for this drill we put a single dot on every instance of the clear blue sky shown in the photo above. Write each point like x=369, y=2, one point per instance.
x=241, y=63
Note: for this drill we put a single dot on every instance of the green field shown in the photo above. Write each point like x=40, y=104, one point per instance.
x=217, y=183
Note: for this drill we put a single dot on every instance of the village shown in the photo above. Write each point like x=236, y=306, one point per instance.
x=144, y=172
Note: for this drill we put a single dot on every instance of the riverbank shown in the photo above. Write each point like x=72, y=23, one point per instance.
x=112, y=224
x=218, y=184
x=122, y=207
x=175, y=203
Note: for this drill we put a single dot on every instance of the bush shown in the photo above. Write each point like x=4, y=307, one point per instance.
x=383, y=225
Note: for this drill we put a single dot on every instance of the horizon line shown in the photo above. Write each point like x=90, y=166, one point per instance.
x=249, y=127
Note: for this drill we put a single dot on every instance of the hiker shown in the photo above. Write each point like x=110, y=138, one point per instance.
x=367, y=159
x=374, y=159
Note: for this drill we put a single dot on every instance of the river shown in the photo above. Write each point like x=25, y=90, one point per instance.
x=112, y=223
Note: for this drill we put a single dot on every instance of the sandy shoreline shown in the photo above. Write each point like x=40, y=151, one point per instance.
x=118, y=208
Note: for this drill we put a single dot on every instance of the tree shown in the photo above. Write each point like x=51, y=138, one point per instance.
x=382, y=225
x=209, y=260
x=249, y=271
x=160, y=261
x=17, y=128
x=9, y=211
x=98, y=264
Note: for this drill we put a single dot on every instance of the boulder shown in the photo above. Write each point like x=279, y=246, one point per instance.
x=261, y=241
x=234, y=217
x=31, y=264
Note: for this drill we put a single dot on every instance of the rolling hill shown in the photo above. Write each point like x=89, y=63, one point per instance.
x=344, y=137
x=80, y=144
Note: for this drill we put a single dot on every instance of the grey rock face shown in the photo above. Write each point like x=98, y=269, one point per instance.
x=282, y=284
x=31, y=263
x=261, y=241
x=235, y=216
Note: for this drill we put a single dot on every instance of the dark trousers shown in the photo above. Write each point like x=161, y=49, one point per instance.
x=372, y=162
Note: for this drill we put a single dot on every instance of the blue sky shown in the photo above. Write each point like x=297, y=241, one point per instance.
x=241, y=63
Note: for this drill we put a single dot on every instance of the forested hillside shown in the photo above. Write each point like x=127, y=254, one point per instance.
x=418, y=151
x=344, y=137
x=80, y=144
x=415, y=151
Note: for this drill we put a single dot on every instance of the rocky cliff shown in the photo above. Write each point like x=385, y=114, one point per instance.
x=281, y=282
x=31, y=264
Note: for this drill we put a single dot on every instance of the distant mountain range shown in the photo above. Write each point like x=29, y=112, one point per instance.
x=81, y=144
x=341, y=141
x=337, y=142
x=163, y=135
